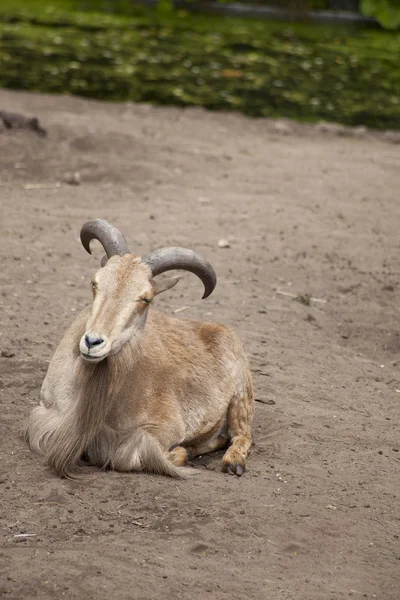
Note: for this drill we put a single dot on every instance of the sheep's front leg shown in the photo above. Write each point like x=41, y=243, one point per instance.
x=234, y=459
x=240, y=417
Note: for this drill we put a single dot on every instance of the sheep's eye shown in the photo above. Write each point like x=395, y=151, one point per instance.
x=144, y=299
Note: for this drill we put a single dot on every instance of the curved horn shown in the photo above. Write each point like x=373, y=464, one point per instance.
x=167, y=259
x=109, y=237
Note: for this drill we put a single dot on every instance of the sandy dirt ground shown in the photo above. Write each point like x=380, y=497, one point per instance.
x=306, y=211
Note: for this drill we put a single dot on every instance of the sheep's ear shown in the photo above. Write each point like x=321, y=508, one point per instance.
x=104, y=261
x=161, y=285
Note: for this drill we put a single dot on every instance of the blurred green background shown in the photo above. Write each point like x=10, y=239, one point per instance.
x=118, y=50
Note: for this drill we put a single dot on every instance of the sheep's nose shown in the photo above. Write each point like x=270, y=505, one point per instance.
x=92, y=340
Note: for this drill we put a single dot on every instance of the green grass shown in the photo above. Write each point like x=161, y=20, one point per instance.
x=117, y=51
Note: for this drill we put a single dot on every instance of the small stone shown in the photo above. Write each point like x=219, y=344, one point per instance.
x=360, y=131
x=223, y=244
x=282, y=127
x=7, y=353
x=331, y=507
x=72, y=178
x=333, y=128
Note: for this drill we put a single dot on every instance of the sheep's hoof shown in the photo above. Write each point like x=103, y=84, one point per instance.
x=233, y=469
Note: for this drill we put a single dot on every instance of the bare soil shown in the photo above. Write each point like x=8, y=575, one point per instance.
x=307, y=210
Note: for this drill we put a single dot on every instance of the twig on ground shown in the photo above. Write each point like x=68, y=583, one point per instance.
x=178, y=310
x=299, y=296
x=269, y=402
x=41, y=186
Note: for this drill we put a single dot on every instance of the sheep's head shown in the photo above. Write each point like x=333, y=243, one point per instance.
x=125, y=286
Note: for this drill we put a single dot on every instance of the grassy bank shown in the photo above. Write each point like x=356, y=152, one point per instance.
x=260, y=68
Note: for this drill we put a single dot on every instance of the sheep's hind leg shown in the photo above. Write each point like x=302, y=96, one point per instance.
x=240, y=417
x=178, y=456
x=217, y=439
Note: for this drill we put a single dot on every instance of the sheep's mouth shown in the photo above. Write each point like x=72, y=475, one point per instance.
x=93, y=359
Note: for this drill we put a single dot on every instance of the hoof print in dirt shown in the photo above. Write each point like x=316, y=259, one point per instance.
x=17, y=121
x=72, y=178
x=6, y=353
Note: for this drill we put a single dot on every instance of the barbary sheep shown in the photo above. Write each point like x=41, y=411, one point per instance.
x=131, y=389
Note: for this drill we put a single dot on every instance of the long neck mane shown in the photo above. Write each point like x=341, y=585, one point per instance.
x=98, y=386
